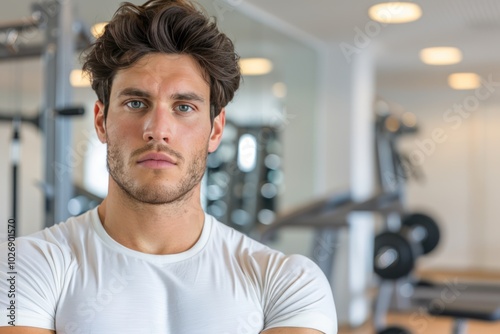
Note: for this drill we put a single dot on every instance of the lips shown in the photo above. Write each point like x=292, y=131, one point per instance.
x=156, y=160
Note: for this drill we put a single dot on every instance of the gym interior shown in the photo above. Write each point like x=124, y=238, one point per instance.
x=363, y=137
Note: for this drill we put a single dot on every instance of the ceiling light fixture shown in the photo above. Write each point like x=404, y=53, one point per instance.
x=255, y=66
x=78, y=78
x=441, y=55
x=464, y=81
x=98, y=29
x=395, y=12
x=409, y=119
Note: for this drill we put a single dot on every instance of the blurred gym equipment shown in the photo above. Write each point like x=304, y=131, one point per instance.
x=244, y=177
x=398, y=247
x=395, y=257
x=463, y=310
x=54, y=36
x=15, y=156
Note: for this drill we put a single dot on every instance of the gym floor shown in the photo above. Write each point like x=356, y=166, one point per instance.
x=436, y=325
x=432, y=326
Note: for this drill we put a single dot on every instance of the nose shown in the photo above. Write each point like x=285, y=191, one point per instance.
x=158, y=125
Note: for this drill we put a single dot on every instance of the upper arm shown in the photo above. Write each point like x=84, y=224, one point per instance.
x=298, y=296
x=288, y=330
x=32, y=285
x=24, y=330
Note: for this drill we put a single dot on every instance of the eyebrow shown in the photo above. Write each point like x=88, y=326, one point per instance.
x=134, y=92
x=188, y=96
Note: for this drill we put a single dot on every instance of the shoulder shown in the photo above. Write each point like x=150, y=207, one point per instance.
x=292, y=289
x=37, y=270
x=297, y=294
x=53, y=245
x=64, y=233
x=268, y=263
x=240, y=245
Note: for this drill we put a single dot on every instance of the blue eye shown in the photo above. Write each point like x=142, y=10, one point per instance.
x=184, y=108
x=135, y=104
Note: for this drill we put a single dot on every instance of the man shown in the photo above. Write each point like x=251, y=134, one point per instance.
x=148, y=259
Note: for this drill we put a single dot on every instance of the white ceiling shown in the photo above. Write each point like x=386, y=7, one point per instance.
x=471, y=25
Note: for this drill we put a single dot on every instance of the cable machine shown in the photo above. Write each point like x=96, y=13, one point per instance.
x=54, y=20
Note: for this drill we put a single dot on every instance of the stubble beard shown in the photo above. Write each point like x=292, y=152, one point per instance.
x=156, y=193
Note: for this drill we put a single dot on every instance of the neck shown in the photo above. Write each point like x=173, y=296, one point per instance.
x=152, y=228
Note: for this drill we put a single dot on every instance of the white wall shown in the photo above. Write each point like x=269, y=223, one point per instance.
x=333, y=146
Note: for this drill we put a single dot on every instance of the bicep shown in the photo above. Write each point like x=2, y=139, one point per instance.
x=288, y=330
x=24, y=330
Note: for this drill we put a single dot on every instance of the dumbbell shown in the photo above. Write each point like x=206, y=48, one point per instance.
x=394, y=256
x=422, y=229
x=395, y=253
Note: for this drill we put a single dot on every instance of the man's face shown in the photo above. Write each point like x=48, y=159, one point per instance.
x=158, y=128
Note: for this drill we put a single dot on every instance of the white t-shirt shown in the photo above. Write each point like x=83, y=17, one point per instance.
x=74, y=278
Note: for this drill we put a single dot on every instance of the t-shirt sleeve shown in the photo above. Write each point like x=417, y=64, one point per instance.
x=30, y=282
x=297, y=294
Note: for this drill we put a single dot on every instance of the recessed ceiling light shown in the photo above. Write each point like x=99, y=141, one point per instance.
x=98, y=29
x=409, y=119
x=78, y=78
x=464, y=81
x=392, y=124
x=395, y=12
x=441, y=55
x=255, y=66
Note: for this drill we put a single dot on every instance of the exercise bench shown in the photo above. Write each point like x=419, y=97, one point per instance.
x=464, y=310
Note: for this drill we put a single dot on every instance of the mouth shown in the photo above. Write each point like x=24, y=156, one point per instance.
x=156, y=161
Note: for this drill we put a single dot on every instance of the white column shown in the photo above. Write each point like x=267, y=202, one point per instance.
x=362, y=128
x=361, y=231
x=354, y=268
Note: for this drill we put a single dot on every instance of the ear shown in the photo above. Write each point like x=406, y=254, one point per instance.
x=217, y=130
x=99, y=121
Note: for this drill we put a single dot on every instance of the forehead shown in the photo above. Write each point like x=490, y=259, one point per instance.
x=160, y=72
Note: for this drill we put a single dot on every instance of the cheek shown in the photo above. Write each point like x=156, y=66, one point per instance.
x=193, y=146
x=123, y=130
x=194, y=134
x=189, y=143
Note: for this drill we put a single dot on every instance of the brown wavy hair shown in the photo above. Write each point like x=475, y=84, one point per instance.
x=164, y=26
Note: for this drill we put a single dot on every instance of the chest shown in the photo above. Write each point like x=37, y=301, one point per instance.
x=123, y=296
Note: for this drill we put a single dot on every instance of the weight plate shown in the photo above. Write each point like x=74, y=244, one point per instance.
x=404, y=261
x=432, y=234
